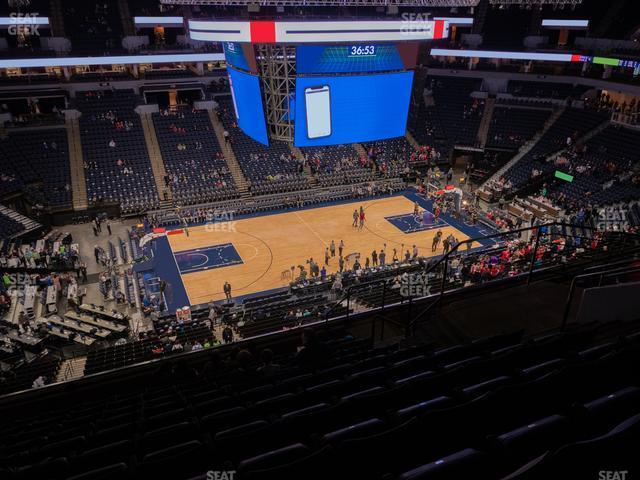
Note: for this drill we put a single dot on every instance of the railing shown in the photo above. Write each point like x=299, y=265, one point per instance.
x=627, y=119
x=628, y=268
x=438, y=268
x=450, y=272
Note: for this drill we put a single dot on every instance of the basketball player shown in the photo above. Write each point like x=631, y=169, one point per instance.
x=355, y=219
x=436, y=241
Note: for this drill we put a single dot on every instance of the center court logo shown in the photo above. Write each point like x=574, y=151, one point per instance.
x=220, y=221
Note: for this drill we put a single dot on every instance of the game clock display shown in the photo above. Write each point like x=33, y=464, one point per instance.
x=364, y=58
x=362, y=50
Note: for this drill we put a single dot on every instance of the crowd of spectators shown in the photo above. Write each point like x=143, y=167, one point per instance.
x=196, y=170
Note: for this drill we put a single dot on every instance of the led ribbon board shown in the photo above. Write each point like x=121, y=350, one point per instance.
x=110, y=60
x=158, y=21
x=548, y=57
x=317, y=32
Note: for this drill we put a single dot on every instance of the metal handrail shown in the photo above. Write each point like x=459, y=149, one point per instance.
x=444, y=259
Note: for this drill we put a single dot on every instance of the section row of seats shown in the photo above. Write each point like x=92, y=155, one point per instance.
x=117, y=166
x=194, y=163
x=271, y=169
x=40, y=167
x=346, y=410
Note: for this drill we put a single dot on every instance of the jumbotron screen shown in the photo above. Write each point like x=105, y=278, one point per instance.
x=247, y=103
x=352, y=93
x=344, y=93
x=336, y=110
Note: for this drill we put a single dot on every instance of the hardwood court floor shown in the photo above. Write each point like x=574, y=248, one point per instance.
x=271, y=244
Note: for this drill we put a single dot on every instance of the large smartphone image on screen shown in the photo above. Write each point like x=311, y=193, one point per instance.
x=318, y=106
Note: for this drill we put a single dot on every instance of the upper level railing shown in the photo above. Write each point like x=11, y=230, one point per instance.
x=517, y=255
x=618, y=272
x=631, y=120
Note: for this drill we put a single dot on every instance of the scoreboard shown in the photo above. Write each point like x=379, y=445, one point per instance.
x=353, y=80
x=355, y=58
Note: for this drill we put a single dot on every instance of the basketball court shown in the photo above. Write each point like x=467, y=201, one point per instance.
x=256, y=254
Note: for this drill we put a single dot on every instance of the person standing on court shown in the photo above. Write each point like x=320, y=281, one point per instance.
x=446, y=244
x=340, y=248
x=227, y=290
x=108, y=227
x=332, y=248
x=436, y=241
x=326, y=256
x=374, y=258
x=382, y=257
x=356, y=216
